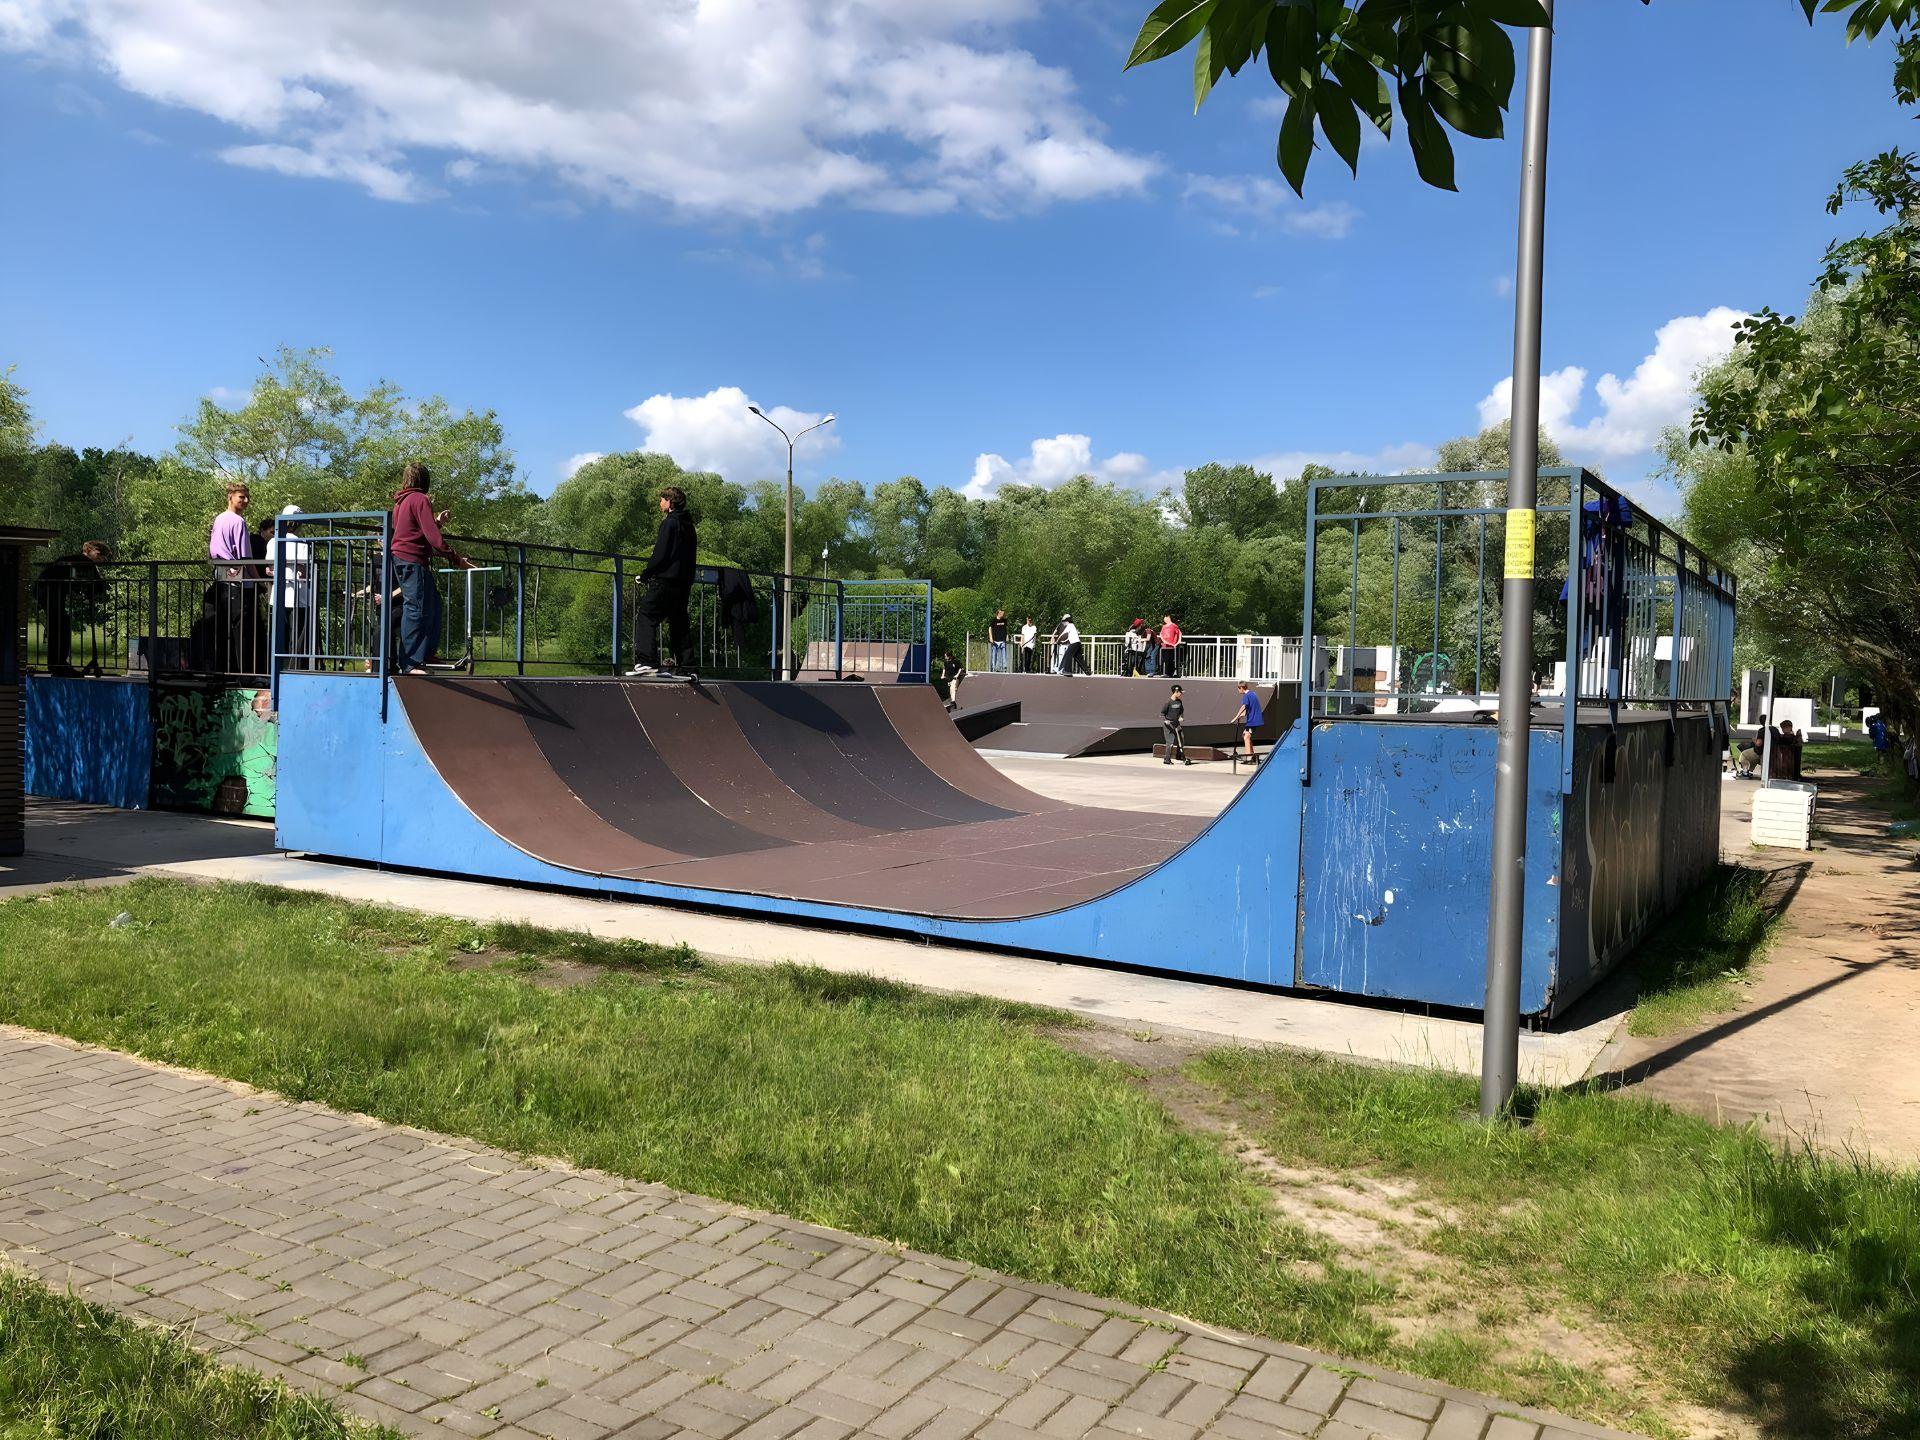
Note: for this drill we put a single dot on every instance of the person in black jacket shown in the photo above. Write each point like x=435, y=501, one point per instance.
x=668, y=577
x=72, y=592
x=1173, y=727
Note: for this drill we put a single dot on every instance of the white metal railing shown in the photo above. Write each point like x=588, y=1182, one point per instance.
x=1202, y=657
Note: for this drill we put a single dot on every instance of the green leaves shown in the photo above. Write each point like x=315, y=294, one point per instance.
x=1168, y=29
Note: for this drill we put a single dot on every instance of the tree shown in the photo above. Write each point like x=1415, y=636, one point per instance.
x=1491, y=450
x=16, y=419
x=1816, y=421
x=1238, y=498
x=301, y=436
x=1445, y=65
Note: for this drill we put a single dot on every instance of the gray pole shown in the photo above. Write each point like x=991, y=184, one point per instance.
x=786, y=619
x=1500, y=1029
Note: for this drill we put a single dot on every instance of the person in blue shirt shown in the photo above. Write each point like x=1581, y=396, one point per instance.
x=1249, y=717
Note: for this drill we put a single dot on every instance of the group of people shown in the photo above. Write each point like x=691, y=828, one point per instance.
x=1145, y=649
x=1782, y=754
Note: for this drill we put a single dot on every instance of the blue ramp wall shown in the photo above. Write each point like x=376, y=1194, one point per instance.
x=354, y=786
x=1398, y=863
x=89, y=739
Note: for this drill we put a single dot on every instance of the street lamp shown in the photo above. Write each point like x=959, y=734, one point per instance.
x=786, y=618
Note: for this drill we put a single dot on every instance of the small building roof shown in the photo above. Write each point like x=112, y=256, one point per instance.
x=25, y=536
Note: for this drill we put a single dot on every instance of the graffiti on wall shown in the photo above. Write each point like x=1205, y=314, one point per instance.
x=214, y=750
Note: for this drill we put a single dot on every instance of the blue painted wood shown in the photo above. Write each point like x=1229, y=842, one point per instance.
x=89, y=739
x=1397, y=859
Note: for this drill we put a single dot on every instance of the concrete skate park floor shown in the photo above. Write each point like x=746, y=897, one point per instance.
x=70, y=843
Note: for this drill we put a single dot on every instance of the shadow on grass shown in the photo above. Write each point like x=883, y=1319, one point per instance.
x=1691, y=966
x=1858, y=1227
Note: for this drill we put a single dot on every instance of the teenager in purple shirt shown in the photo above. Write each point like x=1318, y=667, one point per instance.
x=239, y=644
x=416, y=539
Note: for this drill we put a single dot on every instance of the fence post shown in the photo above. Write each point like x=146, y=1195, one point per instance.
x=619, y=588
x=520, y=610
x=839, y=629
x=153, y=619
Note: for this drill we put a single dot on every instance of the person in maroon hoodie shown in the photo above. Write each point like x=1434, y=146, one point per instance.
x=416, y=539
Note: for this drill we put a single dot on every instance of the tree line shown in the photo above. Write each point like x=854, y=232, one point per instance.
x=1223, y=551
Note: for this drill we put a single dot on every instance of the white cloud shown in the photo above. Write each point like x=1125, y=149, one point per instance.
x=717, y=432
x=1244, y=203
x=574, y=464
x=1503, y=286
x=1635, y=410
x=735, y=107
x=804, y=259
x=1054, y=461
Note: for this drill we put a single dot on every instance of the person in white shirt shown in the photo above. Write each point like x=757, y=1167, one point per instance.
x=1071, y=659
x=291, y=562
x=1029, y=633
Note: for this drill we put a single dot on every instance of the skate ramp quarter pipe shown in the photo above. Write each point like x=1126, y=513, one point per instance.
x=1107, y=715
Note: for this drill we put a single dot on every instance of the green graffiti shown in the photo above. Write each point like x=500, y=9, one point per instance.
x=215, y=750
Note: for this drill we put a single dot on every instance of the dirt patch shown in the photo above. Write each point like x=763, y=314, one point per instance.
x=1384, y=1227
x=545, y=974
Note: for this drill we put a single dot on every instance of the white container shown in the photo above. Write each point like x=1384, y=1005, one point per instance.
x=1783, y=814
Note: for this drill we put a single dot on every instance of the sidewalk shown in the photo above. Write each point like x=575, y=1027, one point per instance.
x=1822, y=1046
x=450, y=1288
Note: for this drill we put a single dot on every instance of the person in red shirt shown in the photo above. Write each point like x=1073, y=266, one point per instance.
x=415, y=540
x=1169, y=646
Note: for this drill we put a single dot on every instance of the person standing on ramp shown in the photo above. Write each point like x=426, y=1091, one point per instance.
x=1173, y=727
x=668, y=577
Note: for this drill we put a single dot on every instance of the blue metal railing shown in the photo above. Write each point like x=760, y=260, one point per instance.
x=569, y=612
x=1641, y=618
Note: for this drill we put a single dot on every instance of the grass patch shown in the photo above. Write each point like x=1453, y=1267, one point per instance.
x=1889, y=790
x=1696, y=964
x=950, y=1124
x=68, y=1368
x=1744, y=1275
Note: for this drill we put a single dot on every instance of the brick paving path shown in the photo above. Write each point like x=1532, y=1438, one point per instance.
x=446, y=1287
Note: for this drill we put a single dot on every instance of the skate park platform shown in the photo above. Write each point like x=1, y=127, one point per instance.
x=1071, y=715
x=1356, y=864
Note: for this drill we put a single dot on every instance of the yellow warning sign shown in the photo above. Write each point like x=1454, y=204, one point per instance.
x=1520, y=544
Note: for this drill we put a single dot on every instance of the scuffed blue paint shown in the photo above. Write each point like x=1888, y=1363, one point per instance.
x=89, y=739
x=1398, y=862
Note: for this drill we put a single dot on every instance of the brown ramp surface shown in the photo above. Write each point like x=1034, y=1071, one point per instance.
x=692, y=729
x=475, y=733
x=917, y=713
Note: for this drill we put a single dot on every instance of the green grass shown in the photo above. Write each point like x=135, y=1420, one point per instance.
x=70, y=1369
x=1747, y=1276
x=952, y=1125
x=1697, y=962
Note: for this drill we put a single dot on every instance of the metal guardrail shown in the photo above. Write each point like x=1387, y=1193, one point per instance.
x=1639, y=617
x=326, y=602
x=1268, y=658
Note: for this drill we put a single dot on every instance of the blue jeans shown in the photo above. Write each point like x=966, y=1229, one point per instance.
x=996, y=655
x=419, y=615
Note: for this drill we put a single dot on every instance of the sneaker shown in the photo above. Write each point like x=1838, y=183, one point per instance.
x=644, y=670
x=1185, y=761
x=1167, y=761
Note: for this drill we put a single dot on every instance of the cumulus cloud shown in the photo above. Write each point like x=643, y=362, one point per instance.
x=1241, y=203
x=1633, y=411
x=574, y=464
x=717, y=432
x=1053, y=461
x=753, y=108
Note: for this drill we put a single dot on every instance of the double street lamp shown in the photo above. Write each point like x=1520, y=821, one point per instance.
x=786, y=583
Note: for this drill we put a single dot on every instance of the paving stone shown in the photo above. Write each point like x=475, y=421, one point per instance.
x=1390, y=1424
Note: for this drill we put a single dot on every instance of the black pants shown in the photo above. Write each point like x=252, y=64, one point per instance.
x=665, y=601
x=1173, y=739
x=59, y=629
x=1170, y=660
x=1075, y=662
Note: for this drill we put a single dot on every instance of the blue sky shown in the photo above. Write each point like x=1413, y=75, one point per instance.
x=954, y=222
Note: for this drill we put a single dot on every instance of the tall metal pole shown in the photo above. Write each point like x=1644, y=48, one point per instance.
x=785, y=637
x=786, y=619
x=1500, y=1028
